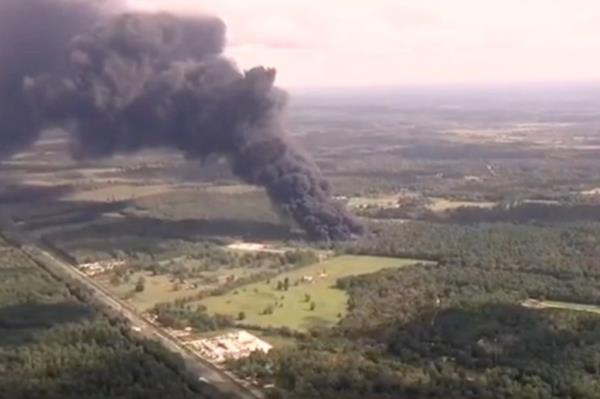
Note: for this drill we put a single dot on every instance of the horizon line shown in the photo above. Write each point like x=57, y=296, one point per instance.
x=448, y=85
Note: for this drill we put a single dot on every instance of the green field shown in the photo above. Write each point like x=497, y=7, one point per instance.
x=383, y=201
x=443, y=204
x=434, y=204
x=157, y=289
x=291, y=308
x=160, y=288
x=119, y=192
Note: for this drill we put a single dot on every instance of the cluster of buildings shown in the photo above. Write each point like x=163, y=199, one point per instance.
x=247, y=246
x=231, y=346
x=311, y=279
x=96, y=268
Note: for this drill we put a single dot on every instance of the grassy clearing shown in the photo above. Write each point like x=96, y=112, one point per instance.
x=434, y=204
x=442, y=204
x=161, y=288
x=292, y=308
x=119, y=192
x=157, y=289
x=384, y=201
x=233, y=189
x=535, y=304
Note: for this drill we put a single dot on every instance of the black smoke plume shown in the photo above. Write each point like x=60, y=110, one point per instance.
x=33, y=34
x=121, y=82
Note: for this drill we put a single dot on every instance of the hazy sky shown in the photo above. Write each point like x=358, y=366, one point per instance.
x=381, y=42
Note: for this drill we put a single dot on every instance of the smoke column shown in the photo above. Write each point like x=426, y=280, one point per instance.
x=121, y=82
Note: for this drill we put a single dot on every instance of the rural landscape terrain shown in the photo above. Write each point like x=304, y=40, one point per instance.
x=150, y=275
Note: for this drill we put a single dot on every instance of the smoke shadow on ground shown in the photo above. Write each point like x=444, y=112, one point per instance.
x=23, y=193
x=19, y=323
x=35, y=207
x=152, y=231
x=66, y=214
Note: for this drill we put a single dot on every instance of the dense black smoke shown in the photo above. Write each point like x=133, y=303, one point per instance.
x=124, y=82
x=33, y=34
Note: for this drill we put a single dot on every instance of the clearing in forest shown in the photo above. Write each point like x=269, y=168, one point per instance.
x=444, y=204
x=120, y=192
x=383, y=201
x=302, y=298
x=164, y=288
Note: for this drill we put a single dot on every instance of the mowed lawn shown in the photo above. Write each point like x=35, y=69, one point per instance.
x=291, y=308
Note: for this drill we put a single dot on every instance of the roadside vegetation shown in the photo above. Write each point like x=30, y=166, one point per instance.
x=55, y=344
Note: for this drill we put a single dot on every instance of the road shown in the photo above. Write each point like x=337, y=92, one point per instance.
x=200, y=367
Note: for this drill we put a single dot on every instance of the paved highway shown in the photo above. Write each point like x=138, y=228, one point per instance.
x=205, y=371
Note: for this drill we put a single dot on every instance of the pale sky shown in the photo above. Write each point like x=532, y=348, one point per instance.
x=389, y=42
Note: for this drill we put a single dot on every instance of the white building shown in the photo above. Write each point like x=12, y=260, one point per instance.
x=96, y=268
x=231, y=346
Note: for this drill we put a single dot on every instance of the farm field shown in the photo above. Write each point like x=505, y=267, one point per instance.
x=263, y=304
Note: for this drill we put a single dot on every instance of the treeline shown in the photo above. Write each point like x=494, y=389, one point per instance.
x=525, y=213
x=217, y=258
x=506, y=213
x=565, y=250
x=179, y=316
x=392, y=297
